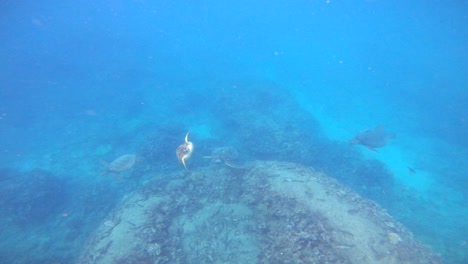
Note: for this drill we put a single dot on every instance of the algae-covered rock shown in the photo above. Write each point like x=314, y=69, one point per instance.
x=31, y=197
x=269, y=212
x=270, y=124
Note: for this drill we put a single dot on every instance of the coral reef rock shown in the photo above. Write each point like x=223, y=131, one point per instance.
x=31, y=197
x=271, y=212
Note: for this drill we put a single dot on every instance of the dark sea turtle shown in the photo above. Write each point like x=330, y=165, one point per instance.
x=373, y=138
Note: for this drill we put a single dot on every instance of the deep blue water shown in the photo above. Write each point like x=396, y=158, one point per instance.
x=86, y=82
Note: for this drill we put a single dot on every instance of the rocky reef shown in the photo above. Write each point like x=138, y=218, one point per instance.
x=270, y=125
x=265, y=212
x=31, y=197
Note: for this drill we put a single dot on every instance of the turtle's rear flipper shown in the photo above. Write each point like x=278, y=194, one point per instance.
x=106, y=171
x=117, y=176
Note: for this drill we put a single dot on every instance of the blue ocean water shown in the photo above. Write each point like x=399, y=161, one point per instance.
x=84, y=83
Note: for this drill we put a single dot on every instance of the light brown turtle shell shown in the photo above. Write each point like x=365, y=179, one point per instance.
x=122, y=163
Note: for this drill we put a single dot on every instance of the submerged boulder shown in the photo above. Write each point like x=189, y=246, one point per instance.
x=266, y=119
x=268, y=212
x=32, y=196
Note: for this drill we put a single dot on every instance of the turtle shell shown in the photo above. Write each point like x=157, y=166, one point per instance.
x=122, y=163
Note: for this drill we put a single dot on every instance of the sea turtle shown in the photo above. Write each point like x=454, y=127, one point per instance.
x=184, y=151
x=120, y=164
x=373, y=138
x=224, y=154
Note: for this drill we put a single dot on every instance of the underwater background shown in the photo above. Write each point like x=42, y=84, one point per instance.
x=82, y=83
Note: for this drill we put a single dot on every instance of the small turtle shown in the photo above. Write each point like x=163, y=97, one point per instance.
x=120, y=164
x=373, y=138
x=184, y=151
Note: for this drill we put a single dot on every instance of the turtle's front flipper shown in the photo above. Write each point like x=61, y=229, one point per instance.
x=372, y=149
x=230, y=165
